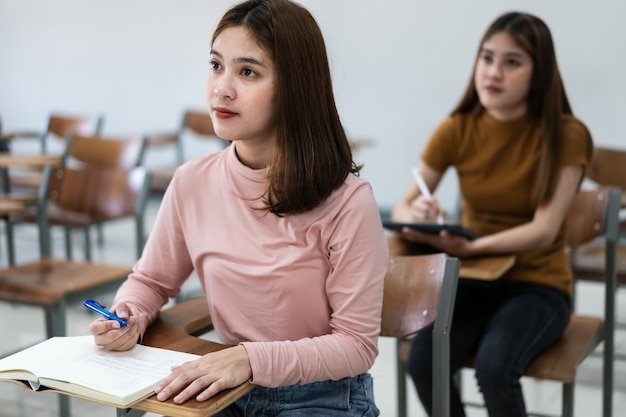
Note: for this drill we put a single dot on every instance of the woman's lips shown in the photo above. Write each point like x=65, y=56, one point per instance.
x=223, y=113
x=492, y=89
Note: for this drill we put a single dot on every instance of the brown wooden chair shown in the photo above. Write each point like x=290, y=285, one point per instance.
x=195, y=123
x=54, y=284
x=593, y=213
x=97, y=151
x=607, y=168
x=419, y=292
x=22, y=184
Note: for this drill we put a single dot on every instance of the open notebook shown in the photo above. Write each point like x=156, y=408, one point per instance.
x=76, y=366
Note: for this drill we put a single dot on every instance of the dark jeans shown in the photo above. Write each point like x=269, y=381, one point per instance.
x=506, y=324
x=348, y=397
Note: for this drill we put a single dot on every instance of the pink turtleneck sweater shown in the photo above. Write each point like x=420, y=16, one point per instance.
x=302, y=293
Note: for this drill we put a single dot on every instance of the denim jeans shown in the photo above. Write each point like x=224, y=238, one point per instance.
x=506, y=324
x=346, y=397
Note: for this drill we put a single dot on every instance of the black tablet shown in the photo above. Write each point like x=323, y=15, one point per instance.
x=455, y=229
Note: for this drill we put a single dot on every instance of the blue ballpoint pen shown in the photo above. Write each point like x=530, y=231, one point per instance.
x=100, y=309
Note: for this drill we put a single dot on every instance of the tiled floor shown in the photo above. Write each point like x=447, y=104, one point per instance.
x=23, y=325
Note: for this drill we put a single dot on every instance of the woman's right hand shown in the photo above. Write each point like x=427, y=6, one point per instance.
x=425, y=210
x=111, y=335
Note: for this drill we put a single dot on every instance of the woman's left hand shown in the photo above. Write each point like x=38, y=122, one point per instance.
x=206, y=376
x=451, y=244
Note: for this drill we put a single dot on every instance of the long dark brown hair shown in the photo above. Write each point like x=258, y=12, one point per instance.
x=547, y=101
x=313, y=155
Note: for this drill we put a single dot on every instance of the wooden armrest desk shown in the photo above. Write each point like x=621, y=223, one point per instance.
x=8, y=160
x=176, y=329
x=485, y=268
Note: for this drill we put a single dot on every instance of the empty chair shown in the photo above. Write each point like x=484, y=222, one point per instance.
x=51, y=139
x=90, y=151
x=54, y=284
x=167, y=150
x=420, y=291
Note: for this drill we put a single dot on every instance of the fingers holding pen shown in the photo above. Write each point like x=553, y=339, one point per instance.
x=426, y=209
x=112, y=335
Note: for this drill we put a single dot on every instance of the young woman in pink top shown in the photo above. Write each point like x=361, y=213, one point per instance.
x=285, y=238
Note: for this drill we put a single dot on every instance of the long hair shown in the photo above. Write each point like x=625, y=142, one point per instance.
x=547, y=102
x=313, y=155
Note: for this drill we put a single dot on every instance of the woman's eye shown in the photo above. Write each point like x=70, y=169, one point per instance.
x=486, y=58
x=247, y=72
x=513, y=63
x=214, y=65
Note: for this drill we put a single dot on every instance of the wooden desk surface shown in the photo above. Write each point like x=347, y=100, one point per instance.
x=32, y=161
x=480, y=267
x=173, y=330
x=8, y=206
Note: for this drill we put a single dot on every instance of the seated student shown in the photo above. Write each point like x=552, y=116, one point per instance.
x=285, y=238
x=520, y=156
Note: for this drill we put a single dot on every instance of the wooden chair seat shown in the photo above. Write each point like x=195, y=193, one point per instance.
x=560, y=362
x=49, y=281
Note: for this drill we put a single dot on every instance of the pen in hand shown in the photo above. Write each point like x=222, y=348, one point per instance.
x=100, y=309
x=424, y=189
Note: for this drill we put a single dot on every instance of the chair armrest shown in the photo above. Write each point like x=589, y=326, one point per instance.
x=159, y=139
x=15, y=135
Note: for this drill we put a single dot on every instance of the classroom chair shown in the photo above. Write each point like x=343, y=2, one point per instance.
x=593, y=213
x=419, y=292
x=53, y=284
x=607, y=168
x=195, y=124
x=52, y=138
x=98, y=151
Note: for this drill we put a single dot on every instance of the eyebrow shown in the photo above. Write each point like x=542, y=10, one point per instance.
x=240, y=60
x=508, y=53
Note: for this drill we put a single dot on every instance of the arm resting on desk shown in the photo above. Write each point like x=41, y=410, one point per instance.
x=174, y=329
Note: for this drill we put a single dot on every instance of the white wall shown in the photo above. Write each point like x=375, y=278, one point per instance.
x=399, y=66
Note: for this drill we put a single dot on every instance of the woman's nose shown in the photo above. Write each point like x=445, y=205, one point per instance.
x=494, y=70
x=224, y=88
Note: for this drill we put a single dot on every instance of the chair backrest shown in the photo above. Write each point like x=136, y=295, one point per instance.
x=595, y=213
x=99, y=192
x=587, y=216
x=195, y=125
x=420, y=291
x=608, y=167
x=105, y=151
x=62, y=126
x=198, y=122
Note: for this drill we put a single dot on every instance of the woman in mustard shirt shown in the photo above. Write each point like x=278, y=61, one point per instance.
x=520, y=156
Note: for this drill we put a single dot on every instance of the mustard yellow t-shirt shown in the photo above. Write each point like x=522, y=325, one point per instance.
x=496, y=163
